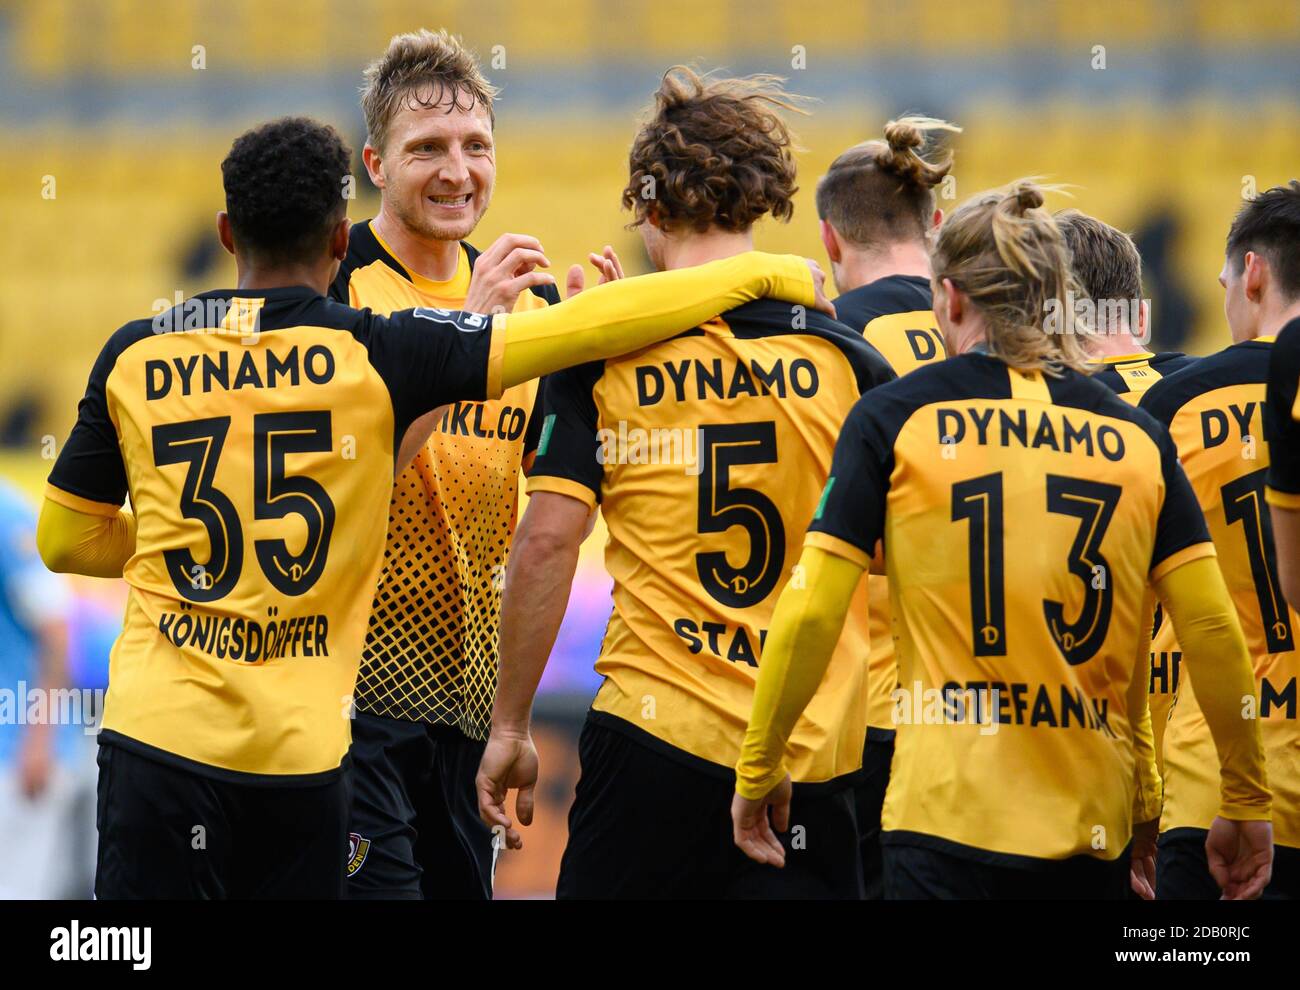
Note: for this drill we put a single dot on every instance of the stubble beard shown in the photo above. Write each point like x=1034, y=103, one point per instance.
x=420, y=225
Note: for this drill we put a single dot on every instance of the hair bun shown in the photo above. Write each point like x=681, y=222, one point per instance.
x=902, y=135
x=1028, y=196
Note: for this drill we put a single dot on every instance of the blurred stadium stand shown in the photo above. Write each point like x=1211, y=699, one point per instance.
x=1194, y=108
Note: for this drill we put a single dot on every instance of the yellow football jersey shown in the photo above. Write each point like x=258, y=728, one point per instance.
x=896, y=316
x=255, y=431
x=707, y=455
x=431, y=648
x=1215, y=413
x=1023, y=517
x=1130, y=375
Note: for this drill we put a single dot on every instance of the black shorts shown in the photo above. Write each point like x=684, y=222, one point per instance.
x=869, y=797
x=1183, y=873
x=652, y=822
x=914, y=872
x=415, y=829
x=167, y=832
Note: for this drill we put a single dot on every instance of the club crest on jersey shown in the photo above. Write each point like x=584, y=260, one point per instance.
x=463, y=321
x=358, y=847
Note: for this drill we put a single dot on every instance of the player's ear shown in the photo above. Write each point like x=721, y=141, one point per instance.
x=374, y=165
x=1144, y=320
x=830, y=241
x=1252, y=276
x=224, y=233
x=339, y=239
x=936, y=221
x=951, y=302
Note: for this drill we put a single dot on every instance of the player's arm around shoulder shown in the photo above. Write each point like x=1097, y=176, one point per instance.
x=627, y=314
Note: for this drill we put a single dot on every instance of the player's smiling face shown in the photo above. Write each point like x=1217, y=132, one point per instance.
x=439, y=168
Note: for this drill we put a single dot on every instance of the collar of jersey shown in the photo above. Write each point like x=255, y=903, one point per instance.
x=454, y=288
x=279, y=294
x=1122, y=358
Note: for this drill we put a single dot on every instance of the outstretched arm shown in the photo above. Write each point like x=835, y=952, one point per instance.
x=625, y=315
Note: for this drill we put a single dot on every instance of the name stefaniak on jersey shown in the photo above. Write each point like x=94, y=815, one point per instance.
x=1018, y=428
x=255, y=369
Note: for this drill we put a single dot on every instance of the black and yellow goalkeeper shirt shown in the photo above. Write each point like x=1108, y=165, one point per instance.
x=431, y=647
x=1022, y=516
x=256, y=441
x=1215, y=414
x=707, y=455
x=1130, y=375
x=896, y=316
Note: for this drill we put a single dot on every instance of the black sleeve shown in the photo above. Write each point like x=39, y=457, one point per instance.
x=872, y=368
x=852, y=507
x=431, y=357
x=339, y=287
x=1280, y=426
x=90, y=463
x=569, y=444
x=533, y=432
x=1181, y=523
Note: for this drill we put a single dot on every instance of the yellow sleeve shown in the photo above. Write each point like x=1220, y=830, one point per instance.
x=626, y=315
x=806, y=624
x=1214, y=650
x=1150, y=788
x=77, y=541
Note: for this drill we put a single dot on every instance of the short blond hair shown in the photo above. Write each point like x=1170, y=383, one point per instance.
x=422, y=68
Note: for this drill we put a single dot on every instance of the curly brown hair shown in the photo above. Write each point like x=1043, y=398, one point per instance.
x=714, y=152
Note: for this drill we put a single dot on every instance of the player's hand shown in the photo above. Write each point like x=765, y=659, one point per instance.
x=751, y=829
x=509, y=762
x=607, y=264
x=35, y=763
x=1240, y=856
x=819, y=283
x=503, y=271
x=1142, y=859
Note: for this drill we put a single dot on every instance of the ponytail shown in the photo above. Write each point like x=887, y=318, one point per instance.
x=1009, y=256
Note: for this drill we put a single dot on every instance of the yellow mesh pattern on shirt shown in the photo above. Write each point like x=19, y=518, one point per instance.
x=431, y=646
